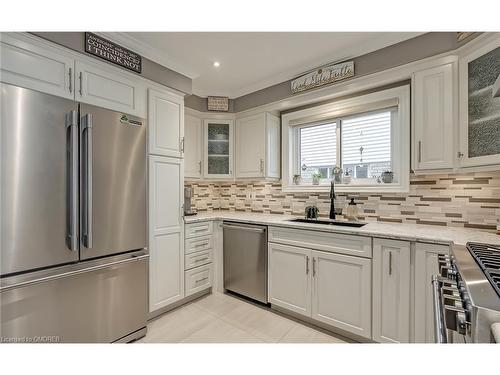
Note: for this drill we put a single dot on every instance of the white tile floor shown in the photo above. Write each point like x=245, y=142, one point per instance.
x=219, y=318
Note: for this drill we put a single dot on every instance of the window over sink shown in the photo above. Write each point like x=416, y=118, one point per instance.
x=362, y=143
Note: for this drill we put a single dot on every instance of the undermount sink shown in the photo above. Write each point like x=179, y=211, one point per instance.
x=330, y=222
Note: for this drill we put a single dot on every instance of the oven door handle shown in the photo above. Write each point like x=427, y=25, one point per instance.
x=439, y=324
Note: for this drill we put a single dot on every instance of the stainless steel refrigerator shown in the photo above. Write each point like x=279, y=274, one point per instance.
x=73, y=229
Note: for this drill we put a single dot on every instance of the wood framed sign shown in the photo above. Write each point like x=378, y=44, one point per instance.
x=218, y=103
x=323, y=76
x=112, y=52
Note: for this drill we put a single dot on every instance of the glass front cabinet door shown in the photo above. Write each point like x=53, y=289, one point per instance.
x=480, y=106
x=218, y=160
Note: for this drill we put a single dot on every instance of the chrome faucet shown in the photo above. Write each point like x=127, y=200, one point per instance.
x=332, y=200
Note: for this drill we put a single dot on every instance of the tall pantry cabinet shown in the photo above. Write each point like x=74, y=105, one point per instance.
x=166, y=181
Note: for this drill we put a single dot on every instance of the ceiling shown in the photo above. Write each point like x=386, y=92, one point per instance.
x=250, y=61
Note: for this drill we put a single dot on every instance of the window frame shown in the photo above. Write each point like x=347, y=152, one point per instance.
x=395, y=99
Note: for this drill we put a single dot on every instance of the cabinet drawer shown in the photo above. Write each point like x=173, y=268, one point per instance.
x=198, y=279
x=199, y=258
x=193, y=245
x=332, y=242
x=198, y=229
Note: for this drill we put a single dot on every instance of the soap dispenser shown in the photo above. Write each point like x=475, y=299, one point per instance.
x=352, y=210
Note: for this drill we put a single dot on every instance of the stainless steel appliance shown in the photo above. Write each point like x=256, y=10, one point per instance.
x=188, y=194
x=73, y=230
x=467, y=294
x=245, y=260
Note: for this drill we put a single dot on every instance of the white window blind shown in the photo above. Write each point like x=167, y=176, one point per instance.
x=318, y=146
x=366, y=144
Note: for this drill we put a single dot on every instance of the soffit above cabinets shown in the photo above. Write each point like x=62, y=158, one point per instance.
x=250, y=61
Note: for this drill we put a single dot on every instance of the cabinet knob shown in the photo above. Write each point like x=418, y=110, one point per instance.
x=460, y=154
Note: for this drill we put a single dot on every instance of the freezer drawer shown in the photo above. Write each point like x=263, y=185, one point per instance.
x=98, y=303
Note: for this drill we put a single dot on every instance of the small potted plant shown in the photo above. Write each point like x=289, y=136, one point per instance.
x=387, y=177
x=347, y=177
x=316, y=176
x=337, y=174
x=297, y=179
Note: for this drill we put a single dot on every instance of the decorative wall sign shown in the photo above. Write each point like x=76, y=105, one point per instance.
x=218, y=103
x=323, y=76
x=109, y=51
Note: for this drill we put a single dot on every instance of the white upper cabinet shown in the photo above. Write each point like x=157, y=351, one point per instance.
x=166, y=123
x=108, y=88
x=426, y=265
x=166, y=232
x=391, y=290
x=480, y=104
x=193, y=147
x=435, y=117
x=36, y=67
x=218, y=148
x=258, y=146
x=342, y=292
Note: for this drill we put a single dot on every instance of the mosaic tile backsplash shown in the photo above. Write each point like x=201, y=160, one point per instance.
x=463, y=200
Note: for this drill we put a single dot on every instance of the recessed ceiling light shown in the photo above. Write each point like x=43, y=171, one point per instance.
x=216, y=64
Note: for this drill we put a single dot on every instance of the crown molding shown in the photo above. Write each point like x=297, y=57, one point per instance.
x=140, y=47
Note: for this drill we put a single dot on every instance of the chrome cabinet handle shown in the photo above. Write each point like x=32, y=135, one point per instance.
x=86, y=132
x=419, y=151
x=182, y=144
x=199, y=166
x=261, y=166
x=314, y=266
x=390, y=262
x=72, y=219
x=200, y=260
x=80, y=77
x=307, y=265
x=200, y=244
x=200, y=280
x=70, y=73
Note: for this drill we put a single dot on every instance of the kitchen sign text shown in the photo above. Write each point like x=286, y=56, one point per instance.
x=112, y=52
x=323, y=76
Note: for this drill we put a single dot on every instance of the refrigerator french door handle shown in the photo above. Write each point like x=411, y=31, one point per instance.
x=72, y=216
x=86, y=133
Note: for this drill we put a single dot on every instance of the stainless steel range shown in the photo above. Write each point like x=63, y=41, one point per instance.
x=467, y=294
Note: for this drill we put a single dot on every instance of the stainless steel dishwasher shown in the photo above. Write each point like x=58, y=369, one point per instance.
x=245, y=260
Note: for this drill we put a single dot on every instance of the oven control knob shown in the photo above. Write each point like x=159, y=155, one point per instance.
x=448, y=272
x=456, y=319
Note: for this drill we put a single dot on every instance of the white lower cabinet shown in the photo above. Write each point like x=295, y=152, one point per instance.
x=198, y=279
x=426, y=265
x=342, y=292
x=166, y=232
x=290, y=278
x=332, y=288
x=199, y=254
x=166, y=278
x=391, y=290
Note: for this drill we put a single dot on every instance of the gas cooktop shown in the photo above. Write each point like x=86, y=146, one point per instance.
x=488, y=258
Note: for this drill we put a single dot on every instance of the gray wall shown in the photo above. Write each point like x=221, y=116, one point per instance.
x=410, y=50
x=150, y=70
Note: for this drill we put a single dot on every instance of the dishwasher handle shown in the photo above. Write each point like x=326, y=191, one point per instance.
x=249, y=229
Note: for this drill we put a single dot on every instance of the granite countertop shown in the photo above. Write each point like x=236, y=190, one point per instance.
x=409, y=232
